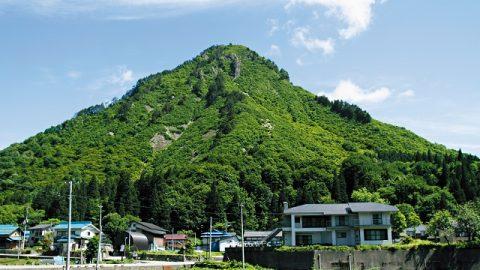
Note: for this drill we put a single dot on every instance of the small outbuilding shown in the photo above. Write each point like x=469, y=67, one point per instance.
x=10, y=236
x=152, y=232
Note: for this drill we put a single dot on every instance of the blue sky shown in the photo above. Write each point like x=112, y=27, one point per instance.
x=408, y=62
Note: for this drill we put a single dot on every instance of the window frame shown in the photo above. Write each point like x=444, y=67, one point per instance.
x=377, y=218
x=341, y=235
x=375, y=234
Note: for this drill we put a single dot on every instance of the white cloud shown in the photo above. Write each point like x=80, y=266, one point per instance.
x=356, y=14
x=121, y=77
x=74, y=74
x=299, y=61
x=407, y=93
x=348, y=91
x=118, y=9
x=274, y=50
x=114, y=82
x=302, y=38
x=274, y=26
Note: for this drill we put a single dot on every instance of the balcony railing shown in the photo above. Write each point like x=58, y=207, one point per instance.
x=370, y=222
x=349, y=222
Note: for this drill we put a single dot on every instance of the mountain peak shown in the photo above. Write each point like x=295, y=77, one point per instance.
x=224, y=127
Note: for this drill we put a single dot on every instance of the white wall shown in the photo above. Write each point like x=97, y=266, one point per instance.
x=87, y=233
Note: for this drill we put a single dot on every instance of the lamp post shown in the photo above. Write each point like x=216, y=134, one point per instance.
x=243, y=244
x=69, y=228
x=99, y=252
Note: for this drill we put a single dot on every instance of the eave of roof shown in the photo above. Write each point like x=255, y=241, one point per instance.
x=340, y=209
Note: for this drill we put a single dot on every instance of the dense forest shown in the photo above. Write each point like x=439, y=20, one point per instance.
x=225, y=128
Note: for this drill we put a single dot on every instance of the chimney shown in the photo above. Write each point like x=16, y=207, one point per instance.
x=285, y=206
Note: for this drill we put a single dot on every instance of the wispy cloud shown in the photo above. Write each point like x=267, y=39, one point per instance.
x=274, y=50
x=348, y=91
x=116, y=10
x=74, y=74
x=299, y=61
x=113, y=82
x=302, y=38
x=273, y=25
x=407, y=94
x=356, y=14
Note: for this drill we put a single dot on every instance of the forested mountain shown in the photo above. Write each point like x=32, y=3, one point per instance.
x=222, y=129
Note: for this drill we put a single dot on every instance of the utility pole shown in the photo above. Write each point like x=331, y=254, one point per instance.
x=210, y=240
x=243, y=244
x=172, y=242
x=69, y=246
x=99, y=253
x=25, y=222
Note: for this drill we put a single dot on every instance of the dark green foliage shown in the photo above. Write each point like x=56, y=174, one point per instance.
x=284, y=75
x=176, y=155
x=115, y=226
x=344, y=109
x=91, y=110
x=167, y=108
x=126, y=199
x=92, y=249
x=216, y=89
x=360, y=171
x=197, y=88
x=340, y=189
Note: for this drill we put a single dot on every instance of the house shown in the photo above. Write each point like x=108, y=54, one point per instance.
x=38, y=232
x=220, y=240
x=175, y=241
x=11, y=236
x=260, y=238
x=139, y=231
x=81, y=233
x=417, y=232
x=338, y=224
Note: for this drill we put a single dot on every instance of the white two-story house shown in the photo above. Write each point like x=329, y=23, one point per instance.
x=81, y=233
x=346, y=224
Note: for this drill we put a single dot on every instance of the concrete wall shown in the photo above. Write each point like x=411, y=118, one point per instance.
x=421, y=258
x=273, y=259
x=145, y=266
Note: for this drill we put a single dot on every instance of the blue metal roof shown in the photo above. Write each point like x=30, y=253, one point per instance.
x=217, y=233
x=75, y=225
x=7, y=229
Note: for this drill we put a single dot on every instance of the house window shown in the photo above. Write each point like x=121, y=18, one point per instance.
x=304, y=239
x=375, y=235
x=297, y=219
x=341, y=234
x=316, y=222
x=377, y=218
x=342, y=221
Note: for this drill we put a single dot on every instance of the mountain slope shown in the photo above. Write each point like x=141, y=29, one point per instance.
x=225, y=127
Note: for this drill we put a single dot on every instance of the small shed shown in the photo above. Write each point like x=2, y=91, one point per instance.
x=10, y=236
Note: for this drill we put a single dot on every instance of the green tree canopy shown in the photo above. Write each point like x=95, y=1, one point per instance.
x=441, y=225
x=468, y=219
x=363, y=195
x=412, y=219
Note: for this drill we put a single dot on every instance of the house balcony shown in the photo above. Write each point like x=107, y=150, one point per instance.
x=357, y=223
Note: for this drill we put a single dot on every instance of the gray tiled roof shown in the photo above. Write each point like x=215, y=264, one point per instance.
x=371, y=207
x=325, y=209
x=41, y=227
x=340, y=208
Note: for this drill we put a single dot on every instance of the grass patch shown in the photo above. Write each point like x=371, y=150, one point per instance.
x=224, y=265
x=417, y=243
x=21, y=261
